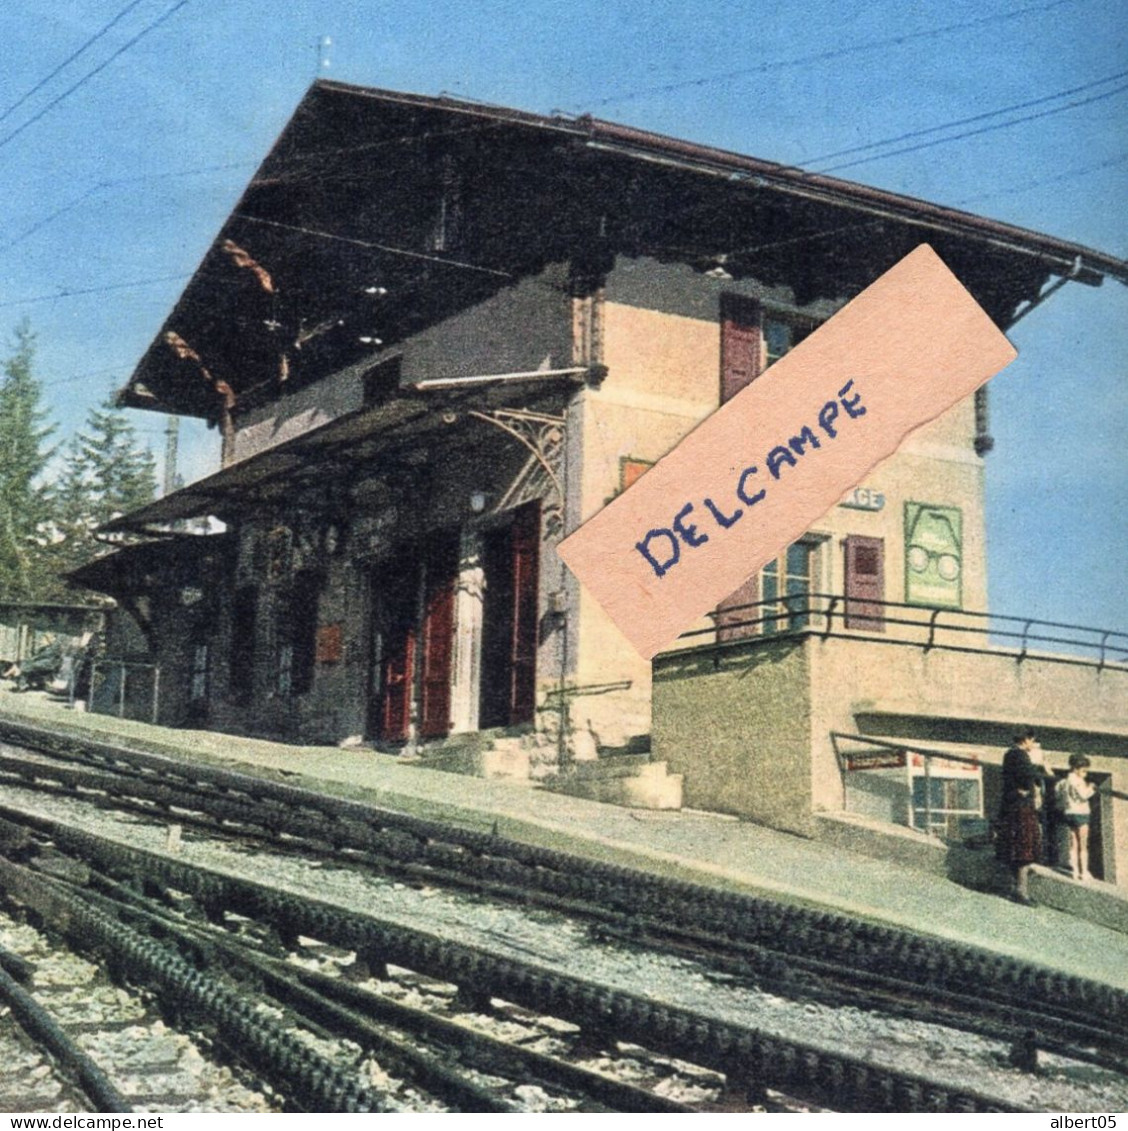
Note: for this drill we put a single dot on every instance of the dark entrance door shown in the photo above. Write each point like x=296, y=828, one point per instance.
x=394, y=638
x=413, y=629
x=509, y=628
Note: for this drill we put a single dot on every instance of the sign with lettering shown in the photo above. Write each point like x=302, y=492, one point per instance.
x=775, y=458
x=876, y=760
x=864, y=499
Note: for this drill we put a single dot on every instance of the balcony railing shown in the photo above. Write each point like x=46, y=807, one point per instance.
x=926, y=627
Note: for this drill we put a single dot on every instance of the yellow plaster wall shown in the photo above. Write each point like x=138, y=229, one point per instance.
x=749, y=723
x=663, y=378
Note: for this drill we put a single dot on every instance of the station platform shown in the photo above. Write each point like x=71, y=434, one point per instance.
x=701, y=847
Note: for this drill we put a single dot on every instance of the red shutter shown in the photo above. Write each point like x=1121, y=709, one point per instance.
x=740, y=344
x=525, y=550
x=398, y=665
x=740, y=366
x=729, y=616
x=438, y=641
x=865, y=583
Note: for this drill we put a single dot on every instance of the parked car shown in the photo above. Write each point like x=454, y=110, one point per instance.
x=59, y=668
x=38, y=670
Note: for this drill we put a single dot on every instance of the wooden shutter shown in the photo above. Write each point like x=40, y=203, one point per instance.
x=740, y=344
x=525, y=551
x=865, y=583
x=438, y=641
x=729, y=616
x=740, y=366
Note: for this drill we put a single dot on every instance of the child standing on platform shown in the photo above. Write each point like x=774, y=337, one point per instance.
x=1074, y=795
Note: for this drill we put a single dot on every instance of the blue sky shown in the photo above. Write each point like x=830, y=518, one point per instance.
x=119, y=187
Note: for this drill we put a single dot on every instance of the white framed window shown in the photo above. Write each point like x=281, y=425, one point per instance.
x=786, y=585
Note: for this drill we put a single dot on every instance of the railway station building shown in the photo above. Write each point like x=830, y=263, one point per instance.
x=436, y=336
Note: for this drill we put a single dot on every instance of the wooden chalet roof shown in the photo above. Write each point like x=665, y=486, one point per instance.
x=376, y=214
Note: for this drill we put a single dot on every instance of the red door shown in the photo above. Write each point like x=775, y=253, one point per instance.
x=865, y=583
x=438, y=641
x=525, y=557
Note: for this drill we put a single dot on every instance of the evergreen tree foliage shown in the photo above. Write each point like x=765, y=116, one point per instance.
x=106, y=474
x=25, y=501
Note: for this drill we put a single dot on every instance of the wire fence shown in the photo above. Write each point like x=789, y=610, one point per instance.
x=126, y=688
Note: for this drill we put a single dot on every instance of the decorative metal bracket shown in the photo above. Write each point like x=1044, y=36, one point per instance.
x=543, y=435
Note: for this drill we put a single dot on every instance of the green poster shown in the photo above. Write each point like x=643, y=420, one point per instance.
x=933, y=555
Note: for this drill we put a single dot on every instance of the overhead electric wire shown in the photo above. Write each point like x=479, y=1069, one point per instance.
x=103, y=185
x=125, y=366
x=313, y=172
x=371, y=245
x=96, y=290
x=95, y=71
x=966, y=121
x=68, y=60
x=827, y=56
x=974, y=133
x=291, y=176
x=1041, y=182
x=811, y=237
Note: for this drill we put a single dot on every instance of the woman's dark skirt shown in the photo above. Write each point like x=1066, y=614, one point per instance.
x=1020, y=836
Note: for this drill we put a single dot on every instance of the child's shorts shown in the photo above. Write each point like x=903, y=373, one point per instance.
x=1076, y=820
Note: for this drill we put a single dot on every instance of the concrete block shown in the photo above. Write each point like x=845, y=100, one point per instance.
x=881, y=841
x=1098, y=902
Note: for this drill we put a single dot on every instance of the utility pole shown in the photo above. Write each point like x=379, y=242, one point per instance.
x=172, y=440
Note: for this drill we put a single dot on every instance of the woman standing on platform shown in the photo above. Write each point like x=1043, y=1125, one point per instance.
x=1019, y=842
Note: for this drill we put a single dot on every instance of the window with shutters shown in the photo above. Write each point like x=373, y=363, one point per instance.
x=785, y=587
x=781, y=335
x=753, y=338
x=865, y=583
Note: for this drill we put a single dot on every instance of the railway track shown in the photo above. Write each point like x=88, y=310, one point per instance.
x=73, y=1041
x=751, y=1062
x=176, y=960
x=825, y=956
x=727, y=1062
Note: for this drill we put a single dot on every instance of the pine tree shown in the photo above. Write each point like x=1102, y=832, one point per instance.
x=106, y=474
x=24, y=500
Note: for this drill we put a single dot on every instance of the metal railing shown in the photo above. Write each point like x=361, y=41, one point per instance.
x=126, y=687
x=881, y=754
x=924, y=626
